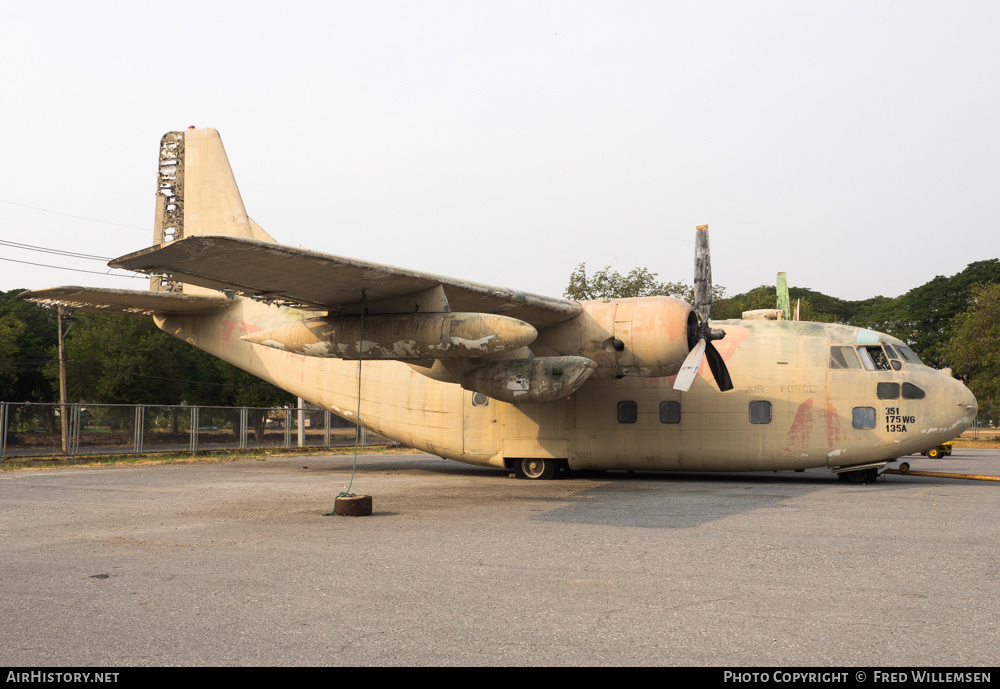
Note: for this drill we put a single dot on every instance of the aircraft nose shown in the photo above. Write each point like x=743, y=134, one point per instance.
x=968, y=407
x=969, y=402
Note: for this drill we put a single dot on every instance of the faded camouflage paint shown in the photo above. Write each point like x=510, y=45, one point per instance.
x=421, y=403
x=537, y=379
x=124, y=301
x=785, y=363
x=653, y=331
x=401, y=336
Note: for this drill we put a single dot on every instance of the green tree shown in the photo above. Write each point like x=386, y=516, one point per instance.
x=26, y=349
x=10, y=331
x=762, y=297
x=639, y=282
x=973, y=349
x=923, y=316
x=242, y=389
x=116, y=359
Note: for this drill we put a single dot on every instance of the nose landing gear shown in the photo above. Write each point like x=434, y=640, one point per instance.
x=860, y=476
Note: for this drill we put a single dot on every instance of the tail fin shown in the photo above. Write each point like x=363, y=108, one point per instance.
x=196, y=194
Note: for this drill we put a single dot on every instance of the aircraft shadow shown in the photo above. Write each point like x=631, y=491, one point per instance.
x=680, y=501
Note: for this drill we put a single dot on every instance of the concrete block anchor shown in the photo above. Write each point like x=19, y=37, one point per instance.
x=353, y=506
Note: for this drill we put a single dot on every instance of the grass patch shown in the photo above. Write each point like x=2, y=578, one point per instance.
x=986, y=443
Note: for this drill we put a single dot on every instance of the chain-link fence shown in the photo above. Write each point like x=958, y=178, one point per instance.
x=80, y=429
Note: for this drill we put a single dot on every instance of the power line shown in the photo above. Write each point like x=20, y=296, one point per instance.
x=77, y=270
x=77, y=217
x=60, y=252
x=37, y=363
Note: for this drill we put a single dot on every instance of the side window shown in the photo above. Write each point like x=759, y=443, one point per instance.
x=864, y=417
x=912, y=392
x=843, y=357
x=479, y=399
x=628, y=412
x=888, y=391
x=760, y=412
x=670, y=412
x=880, y=362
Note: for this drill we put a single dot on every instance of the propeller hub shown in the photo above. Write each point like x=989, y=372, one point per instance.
x=714, y=334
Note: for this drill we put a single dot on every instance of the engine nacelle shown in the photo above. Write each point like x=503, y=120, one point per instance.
x=540, y=379
x=646, y=336
x=400, y=336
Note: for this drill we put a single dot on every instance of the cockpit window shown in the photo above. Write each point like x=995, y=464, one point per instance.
x=887, y=391
x=866, y=360
x=874, y=359
x=893, y=357
x=908, y=354
x=912, y=392
x=843, y=357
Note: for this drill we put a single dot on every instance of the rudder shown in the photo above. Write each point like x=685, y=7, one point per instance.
x=196, y=194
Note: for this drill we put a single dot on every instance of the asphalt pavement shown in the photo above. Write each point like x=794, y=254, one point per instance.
x=239, y=563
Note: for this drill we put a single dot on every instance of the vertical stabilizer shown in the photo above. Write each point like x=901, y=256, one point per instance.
x=196, y=194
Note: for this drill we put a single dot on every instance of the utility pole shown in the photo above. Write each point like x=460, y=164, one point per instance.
x=63, y=413
x=302, y=423
x=62, y=383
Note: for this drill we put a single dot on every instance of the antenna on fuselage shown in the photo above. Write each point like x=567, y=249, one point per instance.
x=784, y=304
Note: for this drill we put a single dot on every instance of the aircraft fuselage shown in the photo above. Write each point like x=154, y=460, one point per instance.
x=794, y=405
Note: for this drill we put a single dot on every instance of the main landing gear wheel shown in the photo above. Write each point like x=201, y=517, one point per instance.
x=539, y=469
x=859, y=476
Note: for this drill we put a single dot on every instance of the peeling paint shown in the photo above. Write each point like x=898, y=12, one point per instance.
x=832, y=425
x=797, y=438
x=541, y=379
x=403, y=336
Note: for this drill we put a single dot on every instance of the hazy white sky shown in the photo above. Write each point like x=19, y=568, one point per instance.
x=854, y=145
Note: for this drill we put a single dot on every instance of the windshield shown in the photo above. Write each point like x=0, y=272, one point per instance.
x=908, y=354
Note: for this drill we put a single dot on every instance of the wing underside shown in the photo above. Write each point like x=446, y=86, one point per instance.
x=125, y=301
x=311, y=279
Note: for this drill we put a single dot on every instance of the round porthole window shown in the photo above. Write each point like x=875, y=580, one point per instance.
x=479, y=399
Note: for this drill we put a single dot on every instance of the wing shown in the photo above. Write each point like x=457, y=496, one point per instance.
x=126, y=301
x=312, y=279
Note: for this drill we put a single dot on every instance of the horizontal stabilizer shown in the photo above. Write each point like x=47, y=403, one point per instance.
x=127, y=301
x=294, y=276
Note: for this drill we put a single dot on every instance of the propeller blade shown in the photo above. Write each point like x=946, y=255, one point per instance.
x=704, y=332
x=702, y=273
x=689, y=369
x=718, y=366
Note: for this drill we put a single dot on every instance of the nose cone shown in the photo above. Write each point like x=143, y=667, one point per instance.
x=962, y=404
x=969, y=408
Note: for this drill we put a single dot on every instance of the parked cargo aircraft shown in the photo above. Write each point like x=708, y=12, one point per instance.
x=497, y=377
